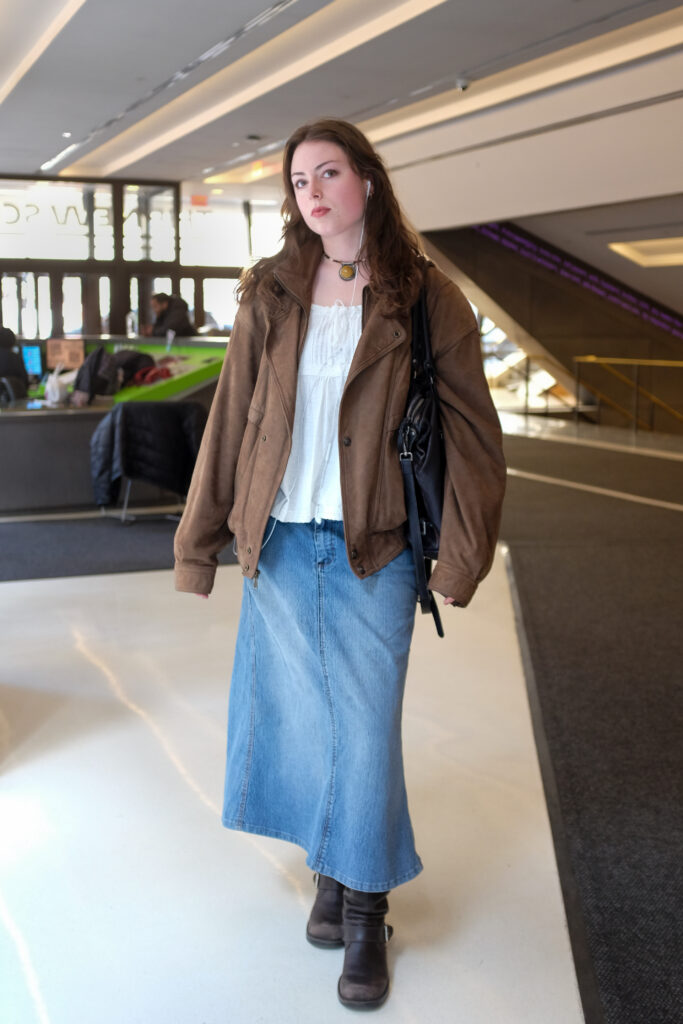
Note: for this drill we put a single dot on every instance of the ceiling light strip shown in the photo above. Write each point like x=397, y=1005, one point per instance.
x=217, y=50
x=345, y=24
x=614, y=49
x=40, y=46
x=607, y=52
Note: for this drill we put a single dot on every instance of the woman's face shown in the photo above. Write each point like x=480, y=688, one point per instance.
x=329, y=193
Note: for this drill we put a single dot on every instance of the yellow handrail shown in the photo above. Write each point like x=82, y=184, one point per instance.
x=608, y=364
x=628, y=362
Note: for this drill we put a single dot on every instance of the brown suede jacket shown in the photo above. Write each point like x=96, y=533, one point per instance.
x=248, y=438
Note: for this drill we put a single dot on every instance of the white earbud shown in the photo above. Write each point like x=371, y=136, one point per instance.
x=368, y=186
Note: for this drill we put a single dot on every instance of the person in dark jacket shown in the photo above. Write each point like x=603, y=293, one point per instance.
x=170, y=314
x=11, y=363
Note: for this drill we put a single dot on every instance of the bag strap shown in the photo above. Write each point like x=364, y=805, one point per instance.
x=421, y=344
x=422, y=565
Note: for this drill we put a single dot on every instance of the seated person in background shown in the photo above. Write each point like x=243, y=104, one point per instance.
x=11, y=363
x=170, y=314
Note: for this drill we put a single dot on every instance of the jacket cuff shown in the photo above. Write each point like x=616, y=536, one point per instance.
x=194, y=579
x=450, y=583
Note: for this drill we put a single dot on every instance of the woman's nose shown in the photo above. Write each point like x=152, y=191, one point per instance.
x=315, y=190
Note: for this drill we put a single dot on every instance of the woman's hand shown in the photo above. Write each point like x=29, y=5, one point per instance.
x=205, y=596
x=449, y=600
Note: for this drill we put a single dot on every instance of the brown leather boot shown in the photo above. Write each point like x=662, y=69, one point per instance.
x=324, y=928
x=364, y=983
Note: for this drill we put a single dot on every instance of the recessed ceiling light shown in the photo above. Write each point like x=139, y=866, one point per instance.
x=652, y=252
x=66, y=135
x=216, y=191
x=207, y=170
x=49, y=164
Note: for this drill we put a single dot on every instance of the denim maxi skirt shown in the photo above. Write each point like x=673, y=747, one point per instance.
x=314, y=731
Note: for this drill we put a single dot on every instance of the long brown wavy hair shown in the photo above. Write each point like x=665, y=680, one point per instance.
x=392, y=254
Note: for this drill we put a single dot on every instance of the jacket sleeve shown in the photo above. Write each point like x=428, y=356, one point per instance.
x=475, y=466
x=203, y=530
x=101, y=456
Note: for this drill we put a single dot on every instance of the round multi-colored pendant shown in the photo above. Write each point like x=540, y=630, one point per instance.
x=347, y=271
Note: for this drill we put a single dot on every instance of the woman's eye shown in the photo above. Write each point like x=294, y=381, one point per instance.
x=299, y=183
x=330, y=173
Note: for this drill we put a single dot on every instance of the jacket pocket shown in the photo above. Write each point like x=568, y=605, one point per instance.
x=389, y=505
x=246, y=465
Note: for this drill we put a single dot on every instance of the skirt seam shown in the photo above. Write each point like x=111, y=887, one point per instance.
x=325, y=836
x=252, y=716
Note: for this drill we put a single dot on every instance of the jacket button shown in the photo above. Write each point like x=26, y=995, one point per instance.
x=354, y=553
x=246, y=568
x=346, y=442
x=265, y=437
x=397, y=334
x=248, y=551
x=361, y=570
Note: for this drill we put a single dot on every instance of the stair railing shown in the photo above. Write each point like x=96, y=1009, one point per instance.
x=609, y=364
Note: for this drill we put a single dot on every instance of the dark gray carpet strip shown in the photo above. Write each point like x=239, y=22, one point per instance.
x=86, y=547
x=600, y=589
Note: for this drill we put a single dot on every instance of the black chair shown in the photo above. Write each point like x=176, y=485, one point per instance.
x=11, y=389
x=153, y=441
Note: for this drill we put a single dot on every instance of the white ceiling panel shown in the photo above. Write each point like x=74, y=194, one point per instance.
x=111, y=56
x=411, y=62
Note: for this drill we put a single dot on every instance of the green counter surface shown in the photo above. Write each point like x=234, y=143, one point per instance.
x=202, y=363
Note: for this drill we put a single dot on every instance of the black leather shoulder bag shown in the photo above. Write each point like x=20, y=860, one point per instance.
x=423, y=460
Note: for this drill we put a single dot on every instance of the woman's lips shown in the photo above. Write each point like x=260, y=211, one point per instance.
x=320, y=211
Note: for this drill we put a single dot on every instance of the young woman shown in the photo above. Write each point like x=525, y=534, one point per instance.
x=299, y=466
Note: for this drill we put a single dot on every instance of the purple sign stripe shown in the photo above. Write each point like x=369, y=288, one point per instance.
x=586, y=278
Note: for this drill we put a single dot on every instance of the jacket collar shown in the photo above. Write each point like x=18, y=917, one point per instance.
x=297, y=273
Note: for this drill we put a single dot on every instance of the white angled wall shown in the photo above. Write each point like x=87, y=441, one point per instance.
x=612, y=138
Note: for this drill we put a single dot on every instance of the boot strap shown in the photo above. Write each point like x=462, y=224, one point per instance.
x=367, y=933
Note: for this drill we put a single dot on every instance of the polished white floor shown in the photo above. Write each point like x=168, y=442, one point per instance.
x=124, y=901
x=592, y=435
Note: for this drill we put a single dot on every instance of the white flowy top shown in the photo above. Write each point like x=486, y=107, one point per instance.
x=311, y=487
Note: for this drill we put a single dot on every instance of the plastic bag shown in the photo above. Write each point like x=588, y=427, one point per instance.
x=56, y=388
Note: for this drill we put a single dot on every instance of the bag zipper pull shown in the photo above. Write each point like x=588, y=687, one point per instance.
x=256, y=576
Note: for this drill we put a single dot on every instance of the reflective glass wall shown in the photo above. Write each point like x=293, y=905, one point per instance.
x=86, y=257
x=56, y=220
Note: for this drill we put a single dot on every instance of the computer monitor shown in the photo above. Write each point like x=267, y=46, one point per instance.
x=70, y=352
x=33, y=360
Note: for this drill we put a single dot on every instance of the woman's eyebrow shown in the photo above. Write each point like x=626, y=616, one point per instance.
x=303, y=173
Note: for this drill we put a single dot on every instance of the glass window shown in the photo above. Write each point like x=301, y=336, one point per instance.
x=266, y=229
x=162, y=284
x=29, y=306
x=214, y=233
x=55, y=220
x=148, y=223
x=26, y=306
x=10, y=302
x=187, y=293
x=133, y=316
x=72, y=288
x=105, y=303
x=44, y=307
x=220, y=303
